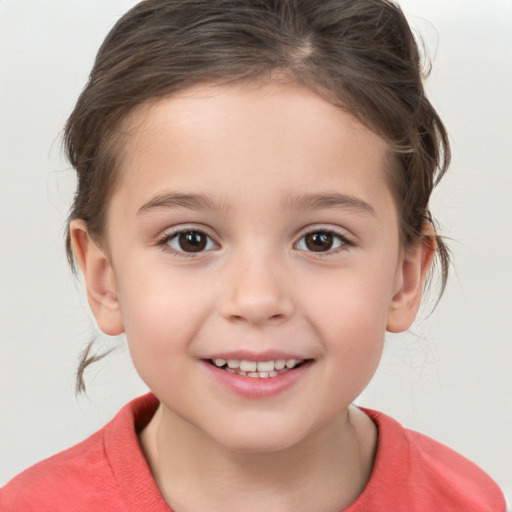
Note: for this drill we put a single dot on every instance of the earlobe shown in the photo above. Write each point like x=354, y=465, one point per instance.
x=411, y=278
x=99, y=279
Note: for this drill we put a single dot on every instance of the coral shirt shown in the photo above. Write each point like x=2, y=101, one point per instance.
x=108, y=472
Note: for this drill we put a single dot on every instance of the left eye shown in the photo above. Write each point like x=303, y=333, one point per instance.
x=320, y=241
x=190, y=242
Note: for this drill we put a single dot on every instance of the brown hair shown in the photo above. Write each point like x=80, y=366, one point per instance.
x=359, y=54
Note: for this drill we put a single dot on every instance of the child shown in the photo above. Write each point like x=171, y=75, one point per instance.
x=252, y=211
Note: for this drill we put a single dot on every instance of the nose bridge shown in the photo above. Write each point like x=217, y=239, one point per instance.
x=256, y=286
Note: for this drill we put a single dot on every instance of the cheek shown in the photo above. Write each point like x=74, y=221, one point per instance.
x=353, y=344
x=351, y=318
x=354, y=300
x=161, y=315
x=354, y=330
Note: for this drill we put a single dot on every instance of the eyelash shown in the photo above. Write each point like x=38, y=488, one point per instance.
x=343, y=243
x=165, y=240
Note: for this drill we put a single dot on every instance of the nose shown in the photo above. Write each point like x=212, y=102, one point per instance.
x=256, y=290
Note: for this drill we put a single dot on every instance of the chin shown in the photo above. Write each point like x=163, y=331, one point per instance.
x=259, y=439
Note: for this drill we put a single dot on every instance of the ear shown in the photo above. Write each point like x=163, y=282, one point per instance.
x=99, y=279
x=411, y=276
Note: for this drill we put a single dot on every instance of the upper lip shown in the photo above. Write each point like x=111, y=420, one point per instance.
x=268, y=355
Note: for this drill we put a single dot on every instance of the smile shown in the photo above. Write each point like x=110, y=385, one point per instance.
x=258, y=369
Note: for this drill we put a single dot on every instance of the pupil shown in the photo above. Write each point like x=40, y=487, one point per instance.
x=192, y=241
x=319, y=242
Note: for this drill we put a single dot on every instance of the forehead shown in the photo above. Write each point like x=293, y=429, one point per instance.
x=246, y=134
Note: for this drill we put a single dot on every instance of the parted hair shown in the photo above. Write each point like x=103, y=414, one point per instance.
x=360, y=55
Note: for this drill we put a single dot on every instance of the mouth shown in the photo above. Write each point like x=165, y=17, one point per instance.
x=258, y=369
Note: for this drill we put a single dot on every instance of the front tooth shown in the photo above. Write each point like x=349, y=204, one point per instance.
x=248, y=366
x=290, y=363
x=220, y=362
x=280, y=364
x=266, y=366
x=233, y=363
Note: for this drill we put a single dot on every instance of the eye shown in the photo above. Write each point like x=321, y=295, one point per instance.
x=189, y=241
x=321, y=241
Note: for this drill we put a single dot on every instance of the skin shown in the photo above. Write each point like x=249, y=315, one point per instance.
x=253, y=153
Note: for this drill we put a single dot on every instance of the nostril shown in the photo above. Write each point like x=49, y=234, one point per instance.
x=255, y=318
x=256, y=301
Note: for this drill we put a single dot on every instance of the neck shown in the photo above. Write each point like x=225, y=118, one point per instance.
x=330, y=467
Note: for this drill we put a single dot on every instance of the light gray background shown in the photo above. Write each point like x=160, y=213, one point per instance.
x=449, y=378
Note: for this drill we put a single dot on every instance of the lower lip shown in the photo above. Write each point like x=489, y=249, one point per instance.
x=257, y=387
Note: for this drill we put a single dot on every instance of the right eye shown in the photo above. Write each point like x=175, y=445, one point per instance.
x=189, y=241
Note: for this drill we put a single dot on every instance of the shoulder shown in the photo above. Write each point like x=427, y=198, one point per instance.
x=59, y=480
x=86, y=476
x=450, y=475
x=413, y=472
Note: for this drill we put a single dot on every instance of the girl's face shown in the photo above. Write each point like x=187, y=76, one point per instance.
x=253, y=228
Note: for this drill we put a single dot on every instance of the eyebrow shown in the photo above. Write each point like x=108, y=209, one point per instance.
x=301, y=201
x=329, y=200
x=180, y=200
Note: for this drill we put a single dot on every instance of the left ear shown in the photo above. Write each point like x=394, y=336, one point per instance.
x=411, y=276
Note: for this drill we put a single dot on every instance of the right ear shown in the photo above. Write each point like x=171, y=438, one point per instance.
x=99, y=279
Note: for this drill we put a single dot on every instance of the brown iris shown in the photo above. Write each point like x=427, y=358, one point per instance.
x=192, y=241
x=320, y=241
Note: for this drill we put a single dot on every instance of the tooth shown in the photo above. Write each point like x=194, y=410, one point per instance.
x=220, y=362
x=253, y=374
x=263, y=375
x=272, y=374
x=279, y=364
x=233, y=363
x=265, y=366
x=290, y=363
x=248, y=366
